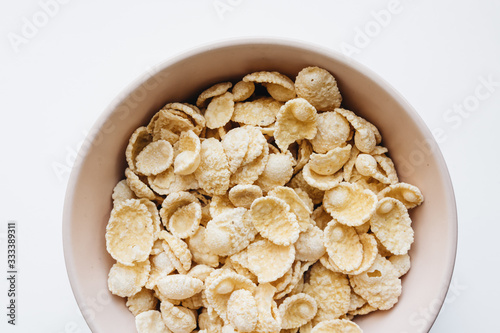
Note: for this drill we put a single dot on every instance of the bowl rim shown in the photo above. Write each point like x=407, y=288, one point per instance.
x=248, y=41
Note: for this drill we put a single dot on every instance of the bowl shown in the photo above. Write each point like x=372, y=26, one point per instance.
x=101, y=164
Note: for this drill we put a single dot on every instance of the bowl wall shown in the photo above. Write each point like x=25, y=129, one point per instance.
x=101, y=165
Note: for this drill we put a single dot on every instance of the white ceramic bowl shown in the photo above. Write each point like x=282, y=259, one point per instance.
x=418, y=160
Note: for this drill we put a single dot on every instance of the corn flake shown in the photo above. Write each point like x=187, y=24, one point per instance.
x=269, y=261
x=296, y=120
x=259, y=112
x=343, y=246
x=319, y=88
x=126, y=281
x=213, y=172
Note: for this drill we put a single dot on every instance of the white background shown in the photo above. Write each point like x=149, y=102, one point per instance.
x=57, y=78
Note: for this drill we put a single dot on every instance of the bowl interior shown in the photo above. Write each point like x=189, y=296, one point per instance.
x=101, y=165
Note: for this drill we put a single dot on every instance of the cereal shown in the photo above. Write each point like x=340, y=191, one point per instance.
x=259, y=112
x=213, y=172
x=179, y=286
x=280, y=212
x=242, y=310
x=349, y=204
x=244, y=195
x=296, y=120
x=392, y=225
x=126, y=281
x=243, y=90
x=269, y=261
x=220, y=110
x=188, y=158
x=297, y=310
x=408, y=194
x=130, y=232
x=343, y=246
x=333, y=131
x=215, y=90
x=337, y=326
x=273, y=220
x=319, y=87
x=150, y=322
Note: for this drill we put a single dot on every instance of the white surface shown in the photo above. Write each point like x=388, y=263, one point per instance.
x=54, y=85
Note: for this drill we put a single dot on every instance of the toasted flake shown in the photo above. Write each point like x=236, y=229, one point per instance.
x=303, y=154
x=213, y=172
x=242, y=90
x=364, y=137
x=160, y=267
x=281, y=283
x=367, y=166
x=259, y=112
x=179, y=286
x=297, y=310
x=321, y=217
x=392, y=225
x=279, y=86
x=169, y=124
x=138, y=186
x=141, y=302
x=333, y=132
x=155, y=158
x=269, y=319
x=296, y=120
x=401, y=263
x=388, y=166
x=277, y=172
x=130, y=232
x=319, y=88
x=349, y=204
x=200, y=272
x=321, y=182
x=337, y=326
x=298, y=270
x=126, y=281
x=379, y=285
x=139, y=139
x=309, y=246
x=349, y=165
x=188, y=158
x=177, y=251
x=220, y=286
x=408, y=194
x=314, y=193
x=178, y=319
x=220, y=204
x=242, y=310
x=256, y=145
x=331, y=162
x=219, y=110
x=305, y=198
x=269, y=261
x=244, y=195
x=297, y=206
x=199, y=249
x=343, y=246
x=230, y=232
x=280, y=93
x=249, y=173
x=272, y=218
x=356, y=301
x=150, y=322
x=215, y=90
x=168, y=182
x=236, y=143
x=370, y=252
x=122, y=192
x=330, y=290
x=181, y=214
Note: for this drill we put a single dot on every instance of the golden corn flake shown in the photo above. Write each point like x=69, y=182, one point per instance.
x=349, y=204
x=200, y=251
x=297, y=310
x=296, y=120
x=122, y=192
x=388, y=167
x=200, y=272
x=401, y=263
x=314, y=193
x=297, y=206
x=298, y=270
x=177, y=251
x=179, y=286
x=141, y=302
x=249, y=173
x=366, y=165
x=242, y=90
x=269, y=261
x=319, y=87
x=256, y=145
x=150, y=322
x=235, y=144
x=321, y=182
x=408, y=194
x=364, y=137
x=279, y=86
x=160, y=267
x=333, y=132
x=181, y=214
x=337, y=326
x=277, y=172
x=244, y=195
x=331, y=162
x=379, y=286
x=139, y=139
x=220, y=204
x=343, y=246
x=242, y=310
x=178, y=319
x=303, y=154
x=269, y=319
x=392, y=225
x=130, y=232
x=126, y=281
x=169, y=124
x=138, y=186
x=213, y=172
x=259, y=112
x=155, y=158
x=153, y=210
x=215, y=90
x=309, y=246
x=219, y=111
x=273, y=220
x=370, y=252
x=188, y=158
